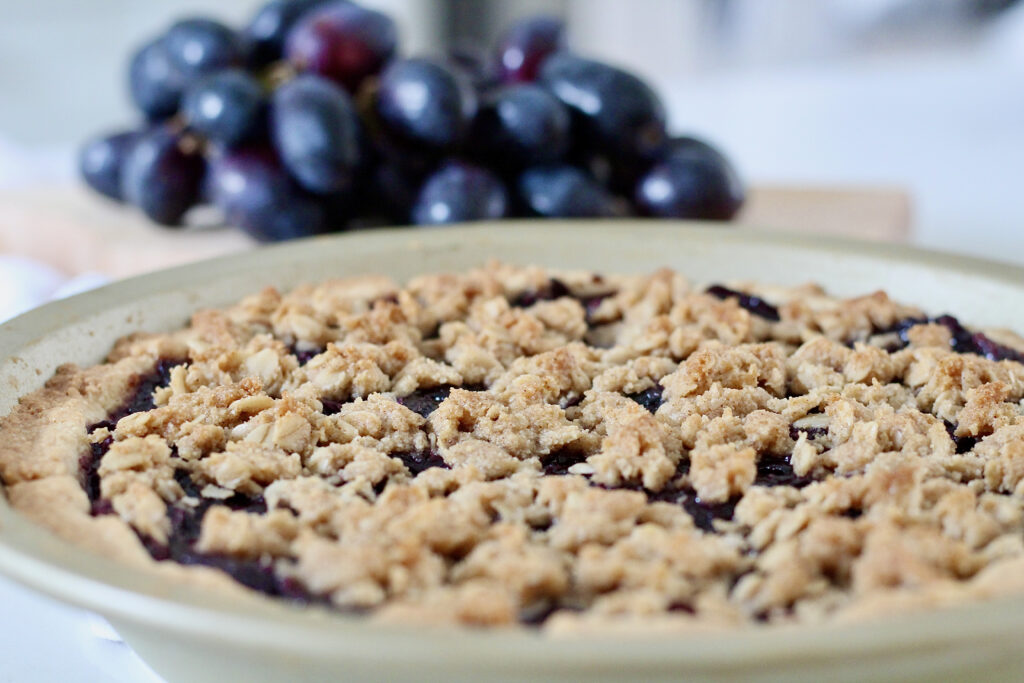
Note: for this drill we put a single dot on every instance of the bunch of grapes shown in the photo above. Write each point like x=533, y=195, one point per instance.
x=308, y=121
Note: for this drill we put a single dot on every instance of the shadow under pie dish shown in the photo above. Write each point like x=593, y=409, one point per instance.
x=550, y=451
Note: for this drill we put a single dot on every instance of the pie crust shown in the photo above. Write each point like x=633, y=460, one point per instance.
x=565, y=450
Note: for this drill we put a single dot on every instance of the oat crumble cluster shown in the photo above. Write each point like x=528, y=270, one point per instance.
x=557, y=449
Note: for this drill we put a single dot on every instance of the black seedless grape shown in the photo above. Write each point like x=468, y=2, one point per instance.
x=266, y=32
x=525, y=45
x=616, y=113
x=160, y=177
x=343, y=42
x=519, y=126
x=225, y=107
x=563, y=191
x=101, y=159
x=424, y=105
x=257, y=195
x=692, y=180
x=198, y=46
x=154, y=82
x=388, y=191
x=316, y=130
x=459, y=192
x=474, y=64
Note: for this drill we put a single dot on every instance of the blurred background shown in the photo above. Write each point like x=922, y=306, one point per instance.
x=922, y=96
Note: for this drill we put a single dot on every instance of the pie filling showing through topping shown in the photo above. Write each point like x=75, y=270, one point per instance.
x=558, y=450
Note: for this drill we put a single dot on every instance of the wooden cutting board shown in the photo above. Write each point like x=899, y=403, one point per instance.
x=77, y=231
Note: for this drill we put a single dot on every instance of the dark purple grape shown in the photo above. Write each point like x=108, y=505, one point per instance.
x=693, y=180
x=615, y=113
x=519, y=126
x=101, y=160
x=160, y=177
x=388, y=191
x=154, y=82
x=526, y=44
x=460, y=192
x=424, y=106
x=316, y=131
x=473, y=63
x=225, y=107
x=257, y=195
x=343, y=42
x=265, y=35
x=198, y=46
x=565, y=192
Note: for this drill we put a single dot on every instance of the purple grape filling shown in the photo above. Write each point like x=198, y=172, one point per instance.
x=141, y=399
x=418, y=461
x=750, y=302
x=778, y=471
x=592, y=303
x=684, y=607
x=331, y=407
x=901, y=330
x=983, y=346
x=554, y=289
x=683, y=468
x=536, y=613
x=304, y=355
x=186, y=526
x=963, y=444
x=425, y=401
x=961, y=339
x=236, y=501
x=703, y=513
x=89, y=464
x=567, y=403
x=650, y=399
x=259, y=575
x=771, y=471
x=811, y=432
x=559, y=462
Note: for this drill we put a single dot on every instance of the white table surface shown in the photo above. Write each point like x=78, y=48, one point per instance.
x=44, y=640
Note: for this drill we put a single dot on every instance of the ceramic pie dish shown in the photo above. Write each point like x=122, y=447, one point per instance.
x=188, y=633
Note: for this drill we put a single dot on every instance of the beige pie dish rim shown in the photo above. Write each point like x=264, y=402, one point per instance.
x=138, y=602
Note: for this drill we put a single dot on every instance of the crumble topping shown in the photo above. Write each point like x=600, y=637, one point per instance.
x=558, y=449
